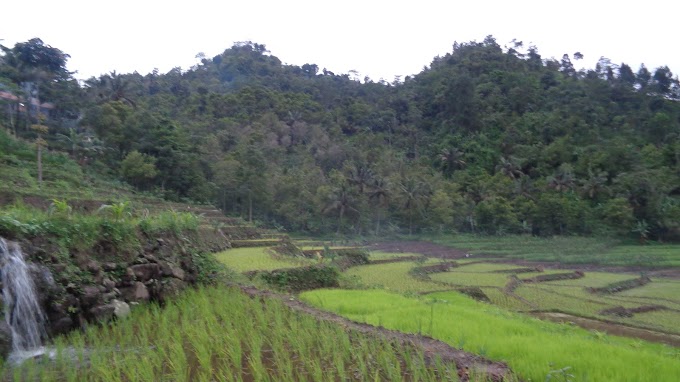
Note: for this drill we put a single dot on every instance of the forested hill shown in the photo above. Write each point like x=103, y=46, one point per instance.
x=484, y=139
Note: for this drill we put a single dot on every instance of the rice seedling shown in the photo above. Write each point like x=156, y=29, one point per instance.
x=531, y=347
x=257, y=259
x=392, y=276
x=220, y=334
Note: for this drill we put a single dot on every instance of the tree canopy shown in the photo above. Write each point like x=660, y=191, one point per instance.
x=485, y=139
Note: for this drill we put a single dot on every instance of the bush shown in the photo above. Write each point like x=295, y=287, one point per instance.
x=299, y=279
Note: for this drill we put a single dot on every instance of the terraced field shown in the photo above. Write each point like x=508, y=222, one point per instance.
x=258, y=259
x=571, y=296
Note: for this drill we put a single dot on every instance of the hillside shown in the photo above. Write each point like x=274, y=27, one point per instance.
x=485, y=139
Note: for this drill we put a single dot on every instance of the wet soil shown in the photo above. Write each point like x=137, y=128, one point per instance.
x=467, y=364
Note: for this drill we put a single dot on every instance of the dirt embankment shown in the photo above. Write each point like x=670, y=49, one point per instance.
x=467, y=363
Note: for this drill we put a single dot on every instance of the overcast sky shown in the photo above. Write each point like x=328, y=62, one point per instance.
x=377, y=38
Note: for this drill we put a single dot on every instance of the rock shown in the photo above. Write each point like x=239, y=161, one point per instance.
x=102, y=313
x=145, y=272
x=62, y=325
x=151, y=258
x=110, y=267
x=5, y=339
x=141, y=260
x=172, y=287
x=93, y=267
x=171, y=270
x=137, y=292
x=109, y=296
x=91, y=296
x=108, y=284
x=115, y=308
x=127, y=279
x=160, y=241
x=120, y=309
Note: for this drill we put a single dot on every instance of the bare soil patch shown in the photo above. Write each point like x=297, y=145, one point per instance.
x=467, y=364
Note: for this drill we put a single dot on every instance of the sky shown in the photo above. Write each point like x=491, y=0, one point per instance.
x=377, y=38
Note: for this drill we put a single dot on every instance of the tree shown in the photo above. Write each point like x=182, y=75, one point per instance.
x=451, y=159
x=340, y=199
x=40, y=143
x=138, y=169
x=595, y=185
x=563, y=180
x=412, y=192
x=379, y=193
x=510, y=167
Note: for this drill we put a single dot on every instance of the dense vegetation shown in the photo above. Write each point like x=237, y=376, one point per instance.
x=484, y=139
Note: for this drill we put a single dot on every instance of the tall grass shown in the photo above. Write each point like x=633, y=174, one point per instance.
x=219, y=334
x=532, y=348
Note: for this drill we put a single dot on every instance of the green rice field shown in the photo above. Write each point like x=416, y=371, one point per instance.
x=531, y=347
x=565, y=249
x=220, y=334
x=568, y=296
x=258, y=259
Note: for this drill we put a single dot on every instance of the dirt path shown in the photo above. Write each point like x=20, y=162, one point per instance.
x=466, y=363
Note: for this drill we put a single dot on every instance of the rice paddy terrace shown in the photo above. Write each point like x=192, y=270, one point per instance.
x=408, y=311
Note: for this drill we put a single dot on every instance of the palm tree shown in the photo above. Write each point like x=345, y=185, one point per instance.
x=563, y=180
x=380, y=193
x=451, y=159
x=595, y=184
x=524, y=187
x=510, y=167
x=360, y=175
x=342, y=201
x=413, y=192
x=110, y=87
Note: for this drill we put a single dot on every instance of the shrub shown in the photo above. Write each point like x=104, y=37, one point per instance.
x=299, y=279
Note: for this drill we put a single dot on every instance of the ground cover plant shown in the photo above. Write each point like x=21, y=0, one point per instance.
x=220, y=334
x=531, y=347
x=258, y=259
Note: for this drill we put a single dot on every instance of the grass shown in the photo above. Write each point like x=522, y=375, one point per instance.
x=566, y=249
x=531, y=347
x=220, y=334
x=258, y=259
